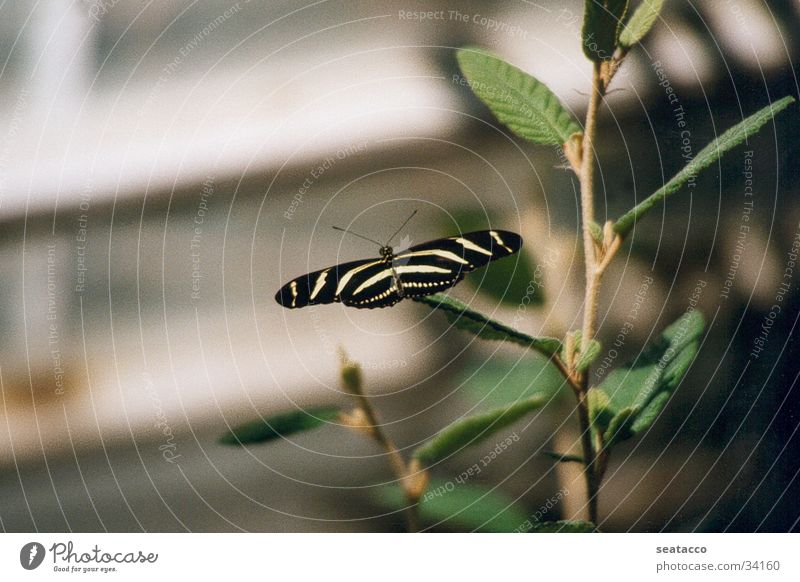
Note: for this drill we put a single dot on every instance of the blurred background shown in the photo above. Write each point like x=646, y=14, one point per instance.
x=166, y=166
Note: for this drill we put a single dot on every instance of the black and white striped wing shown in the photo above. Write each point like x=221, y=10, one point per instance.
x=439, y=264
x=374, y=286
x=326, y=285
x=421, y=270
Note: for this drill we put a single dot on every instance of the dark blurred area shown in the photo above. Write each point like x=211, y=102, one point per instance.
x=165, y=167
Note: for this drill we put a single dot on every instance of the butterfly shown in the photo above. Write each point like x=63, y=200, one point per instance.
x=422, y=269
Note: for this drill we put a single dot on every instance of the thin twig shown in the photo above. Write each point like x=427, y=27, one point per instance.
x=589, y=457
x=565, y=371
x=587, y=211
x=411, y=482
x=597, y=257
x=596, y=260
x=398, y=464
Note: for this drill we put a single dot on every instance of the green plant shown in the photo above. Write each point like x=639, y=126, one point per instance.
x=631, y=397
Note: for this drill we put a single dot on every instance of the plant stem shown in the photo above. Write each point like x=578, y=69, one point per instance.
x=597, y=257
x=593, y=262
x=412, y=478
x=398, y=464
x=587, y=211
x=589, y=457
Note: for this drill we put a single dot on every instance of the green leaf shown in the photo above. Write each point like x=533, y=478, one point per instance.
x=707, y=156
x=280, y=425
x=517, y=99
x=462, y=317
x=600, y=412
x=464, y=507
x=563, y=526
x=602, y=23
x=662, y=362
x=474, y=429
x=637, y=392
x=619, y=428
x=640, y=23
x=590, y=355
x=563, y=457
x=501, y=380
x=511, y=281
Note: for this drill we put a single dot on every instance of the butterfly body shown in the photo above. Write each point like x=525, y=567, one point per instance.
x=419, y=270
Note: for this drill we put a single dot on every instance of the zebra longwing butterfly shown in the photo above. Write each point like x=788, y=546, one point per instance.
x=420, y=270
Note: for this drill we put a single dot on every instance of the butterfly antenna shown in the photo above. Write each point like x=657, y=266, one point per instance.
x=401, y=228
x=356, y=234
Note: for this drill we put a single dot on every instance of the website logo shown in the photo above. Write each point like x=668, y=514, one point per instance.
x=31, y=555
